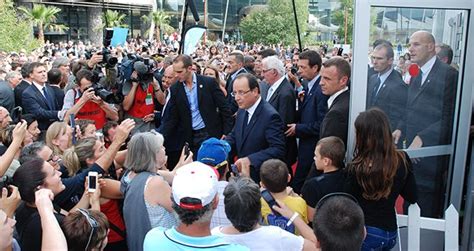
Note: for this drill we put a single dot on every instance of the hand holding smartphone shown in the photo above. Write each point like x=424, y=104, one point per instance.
x=92, y=179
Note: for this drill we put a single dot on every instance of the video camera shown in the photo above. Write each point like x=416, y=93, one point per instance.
x=144, y=67
x=112, y=95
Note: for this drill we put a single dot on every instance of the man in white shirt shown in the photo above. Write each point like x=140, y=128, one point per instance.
x=335, y=75
x=428, y=119
x=39, y=99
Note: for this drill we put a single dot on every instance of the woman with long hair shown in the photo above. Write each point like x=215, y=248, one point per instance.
x=377, y=175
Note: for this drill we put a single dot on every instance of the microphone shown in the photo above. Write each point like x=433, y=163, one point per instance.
x=193, y=10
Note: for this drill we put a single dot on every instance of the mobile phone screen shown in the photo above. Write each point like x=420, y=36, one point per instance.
x=92, y=182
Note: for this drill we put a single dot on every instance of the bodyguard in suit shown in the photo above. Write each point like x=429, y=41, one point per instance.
x=282, y=97
x=429, y=119
x=312, y=109
x=258, y=131
x=25, y=83
x=335, y=75
x=38, y=99
x=235, y=66
x=386, y=89
x=197, y=105
x=174, y=141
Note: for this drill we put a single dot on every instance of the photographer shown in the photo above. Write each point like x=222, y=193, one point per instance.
x=84, y=102
x=139, y=92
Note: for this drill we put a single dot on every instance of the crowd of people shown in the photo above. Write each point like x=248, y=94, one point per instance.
x=235, y=147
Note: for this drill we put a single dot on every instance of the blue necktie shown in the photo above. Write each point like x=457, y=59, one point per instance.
x=48, y=98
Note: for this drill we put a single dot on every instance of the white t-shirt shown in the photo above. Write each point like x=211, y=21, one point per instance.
x=264, y=238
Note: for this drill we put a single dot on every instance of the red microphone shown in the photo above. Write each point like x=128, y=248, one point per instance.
x=414, y=70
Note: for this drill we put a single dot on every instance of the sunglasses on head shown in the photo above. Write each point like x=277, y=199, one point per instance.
x=92, y=223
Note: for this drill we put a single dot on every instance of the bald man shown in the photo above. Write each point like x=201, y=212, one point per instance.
x=428, y=118
x=172, y=143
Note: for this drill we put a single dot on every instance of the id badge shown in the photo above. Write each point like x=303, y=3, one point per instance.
x=149, y=99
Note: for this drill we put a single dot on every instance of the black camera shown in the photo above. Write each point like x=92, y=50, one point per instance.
x=294, y=70
x=5, y=182
x=144, y=68
x=107, y=95
x=108, y=60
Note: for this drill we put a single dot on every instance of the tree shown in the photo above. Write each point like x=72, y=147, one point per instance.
x=112, y=18
x=161, y=21
x=275, y=24
x=15, y=33
x=44, y=18
x=344, y=18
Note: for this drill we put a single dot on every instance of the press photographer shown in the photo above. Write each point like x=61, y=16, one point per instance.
x=90, y=100
x=139, y=90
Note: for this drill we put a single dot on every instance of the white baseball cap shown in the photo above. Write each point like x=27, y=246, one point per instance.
x=195, y=181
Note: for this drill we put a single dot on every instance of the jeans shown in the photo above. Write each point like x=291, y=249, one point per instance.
x=378, y=239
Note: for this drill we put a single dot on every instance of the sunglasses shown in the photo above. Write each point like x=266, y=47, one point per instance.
x=328, y=196
x=92, y=223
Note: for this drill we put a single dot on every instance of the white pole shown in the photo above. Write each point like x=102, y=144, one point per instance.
x=225, y=20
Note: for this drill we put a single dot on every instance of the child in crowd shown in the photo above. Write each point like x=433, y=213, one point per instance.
x=328, y=158
x=274, y=177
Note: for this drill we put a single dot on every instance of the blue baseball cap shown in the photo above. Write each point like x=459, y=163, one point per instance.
x=213, y=151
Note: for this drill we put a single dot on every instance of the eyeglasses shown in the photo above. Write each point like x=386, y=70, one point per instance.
x=239, y=93
x=267, y=70
x=92, y=223
x=53, y=158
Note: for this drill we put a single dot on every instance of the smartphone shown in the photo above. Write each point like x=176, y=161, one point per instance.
x=93, y=181
x=73, y=126
x=186, y=149
x=267, y=196
x=234, y=170
x=339, y=51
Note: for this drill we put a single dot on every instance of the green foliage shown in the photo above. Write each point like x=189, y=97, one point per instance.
x=275, y=24
x=15, y=33
x=162, y=23
x=339, y=17
x=112, y=18
x=44, y=18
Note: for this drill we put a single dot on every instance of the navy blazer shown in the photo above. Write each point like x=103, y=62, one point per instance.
x=264, y=137
x=391, y=98
x=35, y=103
x=175, y=140
x=311, y=111
x=430, y=108
x=213, y=108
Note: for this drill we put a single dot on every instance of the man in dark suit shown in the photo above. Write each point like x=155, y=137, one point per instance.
x=386, y=89
x=197, y=105
x=38, y=99
x=25, y=83
x=175, y=144
x=429, y=119
x=282, y=97
x=335, y=75
x=258, y=132
x=312, y=109
x=235, y=66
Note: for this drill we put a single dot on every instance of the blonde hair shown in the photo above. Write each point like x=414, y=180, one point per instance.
x=74, y=158
x=55, y=130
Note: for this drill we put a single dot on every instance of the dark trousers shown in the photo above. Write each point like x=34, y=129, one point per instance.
x=199, y=136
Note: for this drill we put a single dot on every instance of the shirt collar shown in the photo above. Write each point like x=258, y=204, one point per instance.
x=252, y=109
x=385, y=75
x=312, y=81
x=277, y=84
x=426, y=68
x=235, y=73
x=40, y=87
x=334, y=96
